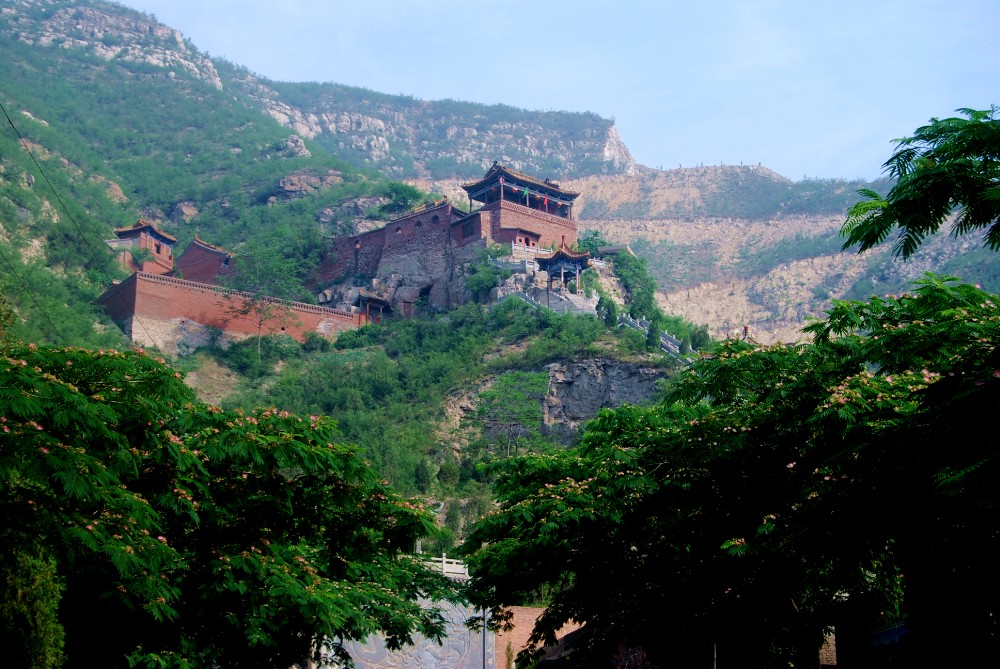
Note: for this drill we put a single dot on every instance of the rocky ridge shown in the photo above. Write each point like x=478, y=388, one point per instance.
x=577, y=391
x=387, y=130
x=113, y=34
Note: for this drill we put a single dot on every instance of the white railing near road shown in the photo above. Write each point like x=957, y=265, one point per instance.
x=449, y=567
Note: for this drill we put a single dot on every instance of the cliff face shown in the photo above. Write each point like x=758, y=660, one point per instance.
x=578, y=389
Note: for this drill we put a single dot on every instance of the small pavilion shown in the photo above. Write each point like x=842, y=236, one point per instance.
x=563, y=260
x=143, y=247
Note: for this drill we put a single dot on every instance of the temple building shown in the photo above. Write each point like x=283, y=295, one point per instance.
x=176, y=305
x=523, y=210
x=143, y=247
x=561, y=262
x=422, y=256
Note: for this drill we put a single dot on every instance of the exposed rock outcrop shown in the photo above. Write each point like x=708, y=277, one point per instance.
x=127, y=36
x=403, y=137
x=578, y=389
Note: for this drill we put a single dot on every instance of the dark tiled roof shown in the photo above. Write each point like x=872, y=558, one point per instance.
x=565, y=251
x=145, y=225
x=212, y=247
x=512, y=178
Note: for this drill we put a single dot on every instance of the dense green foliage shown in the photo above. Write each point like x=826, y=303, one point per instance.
x=201, y=537
x=634, y=274
x=779, y=491
x=508, y=414
x=386, y=383
x=949, y=164
x=483, y=276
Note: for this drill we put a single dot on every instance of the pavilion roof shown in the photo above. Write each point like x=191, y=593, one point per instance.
x=519, y=180
x=149, y=227
x=562, y=254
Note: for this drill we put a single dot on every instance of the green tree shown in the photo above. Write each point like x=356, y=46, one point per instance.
x=7, y=317
x=484, y=275
x=29, y=602
x=779, y=491
x=952, y=163
x=640, y=285
x=261, y=282
x=592, y=241
x=509, y=412
x=607, y=309
x=186, y=535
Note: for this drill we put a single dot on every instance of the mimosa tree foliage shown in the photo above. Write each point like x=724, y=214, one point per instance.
x=949, y=165
x=188, y=536
x=782, y=490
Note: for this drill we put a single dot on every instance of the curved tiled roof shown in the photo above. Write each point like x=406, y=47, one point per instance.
x=512, y=178
x=563, y=252
x=212, y=247
x=143, y=224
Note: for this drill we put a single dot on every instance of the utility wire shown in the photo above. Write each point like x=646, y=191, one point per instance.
x=100, y=264
x=55, y=330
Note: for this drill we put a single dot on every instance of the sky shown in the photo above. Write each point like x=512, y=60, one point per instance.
x=808, y=88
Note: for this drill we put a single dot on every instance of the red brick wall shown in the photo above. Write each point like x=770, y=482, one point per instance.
x=359, y=254
x=203, y=265
x=157, y=300
x=416, y=232
x=516, y=639
x=119, y=300
x=159, y=263
x=552, y=230
x=479, y=222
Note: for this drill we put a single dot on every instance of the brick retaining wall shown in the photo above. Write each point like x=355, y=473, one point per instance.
x=155, y=308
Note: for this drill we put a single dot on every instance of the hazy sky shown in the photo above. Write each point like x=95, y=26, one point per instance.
x=806, y=87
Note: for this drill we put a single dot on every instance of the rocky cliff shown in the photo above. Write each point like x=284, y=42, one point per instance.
x=399, y=135
x=578, y=389
x=107, y=32
x=409, y=138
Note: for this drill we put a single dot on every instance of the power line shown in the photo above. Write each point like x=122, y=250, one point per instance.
x=100, y=264
x=55, y=330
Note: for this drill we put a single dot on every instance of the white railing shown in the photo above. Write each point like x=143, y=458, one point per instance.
x=449, y=567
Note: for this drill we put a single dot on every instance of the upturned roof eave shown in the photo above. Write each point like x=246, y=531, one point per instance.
x=514, y=178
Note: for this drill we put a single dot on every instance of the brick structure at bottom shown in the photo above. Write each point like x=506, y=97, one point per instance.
x=158, y=311
x=513, y=641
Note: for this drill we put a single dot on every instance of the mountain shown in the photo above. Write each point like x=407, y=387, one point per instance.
x=739, y=247
x=124, y=117
x=406, y=138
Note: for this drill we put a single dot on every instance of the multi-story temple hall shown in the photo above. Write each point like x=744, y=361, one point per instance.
x=420, y=256
x=524, y=210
